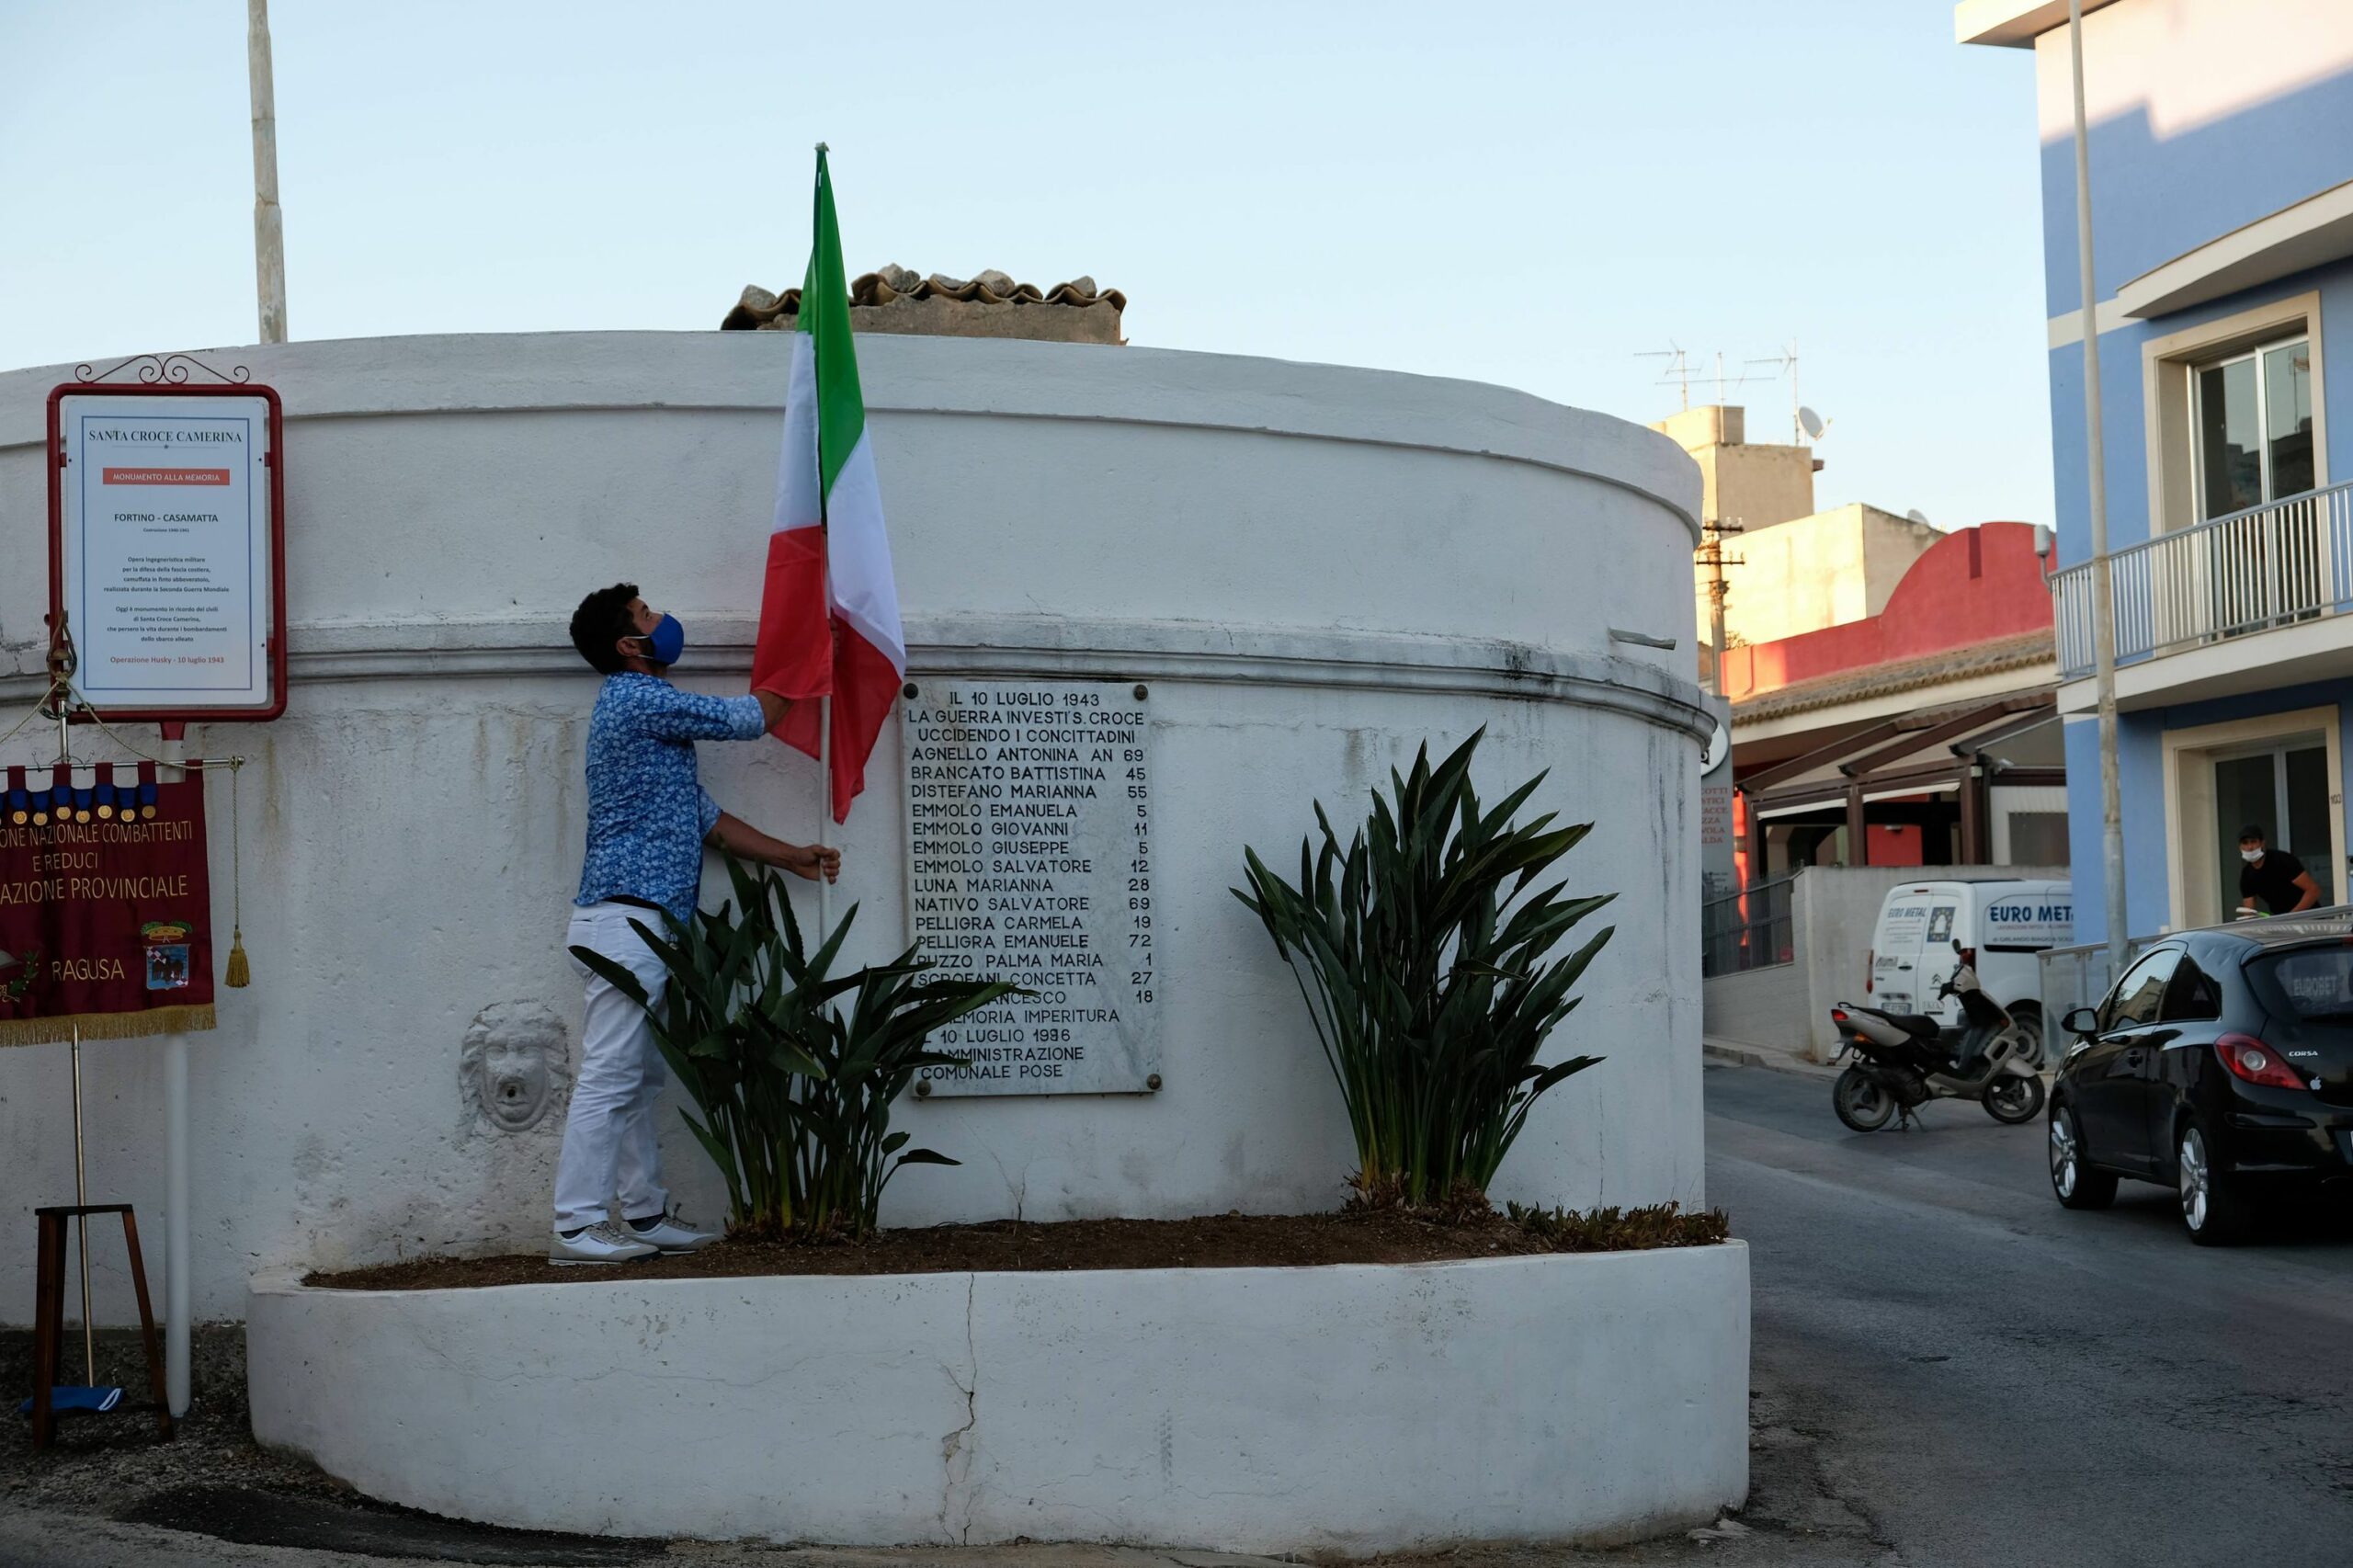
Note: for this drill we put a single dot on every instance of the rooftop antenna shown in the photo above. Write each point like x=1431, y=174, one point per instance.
x=1679, y=370
x=1786, y=361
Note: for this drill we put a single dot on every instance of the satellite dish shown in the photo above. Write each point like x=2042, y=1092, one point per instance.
x=1917, y=515
x=1812, y=424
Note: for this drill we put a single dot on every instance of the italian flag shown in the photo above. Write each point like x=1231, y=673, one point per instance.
x=829, y=613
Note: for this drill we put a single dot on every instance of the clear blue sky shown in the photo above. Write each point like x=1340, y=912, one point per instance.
x=1524, y=194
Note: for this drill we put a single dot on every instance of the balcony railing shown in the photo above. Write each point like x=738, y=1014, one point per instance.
x=2266, y=566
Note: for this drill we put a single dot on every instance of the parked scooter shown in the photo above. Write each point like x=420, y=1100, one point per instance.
x=1902, y=1063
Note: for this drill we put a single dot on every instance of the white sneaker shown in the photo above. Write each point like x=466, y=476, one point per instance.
x=602, y=1243
x=670, y=1234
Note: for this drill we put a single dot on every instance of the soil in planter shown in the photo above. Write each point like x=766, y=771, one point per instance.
x=1225, y=1241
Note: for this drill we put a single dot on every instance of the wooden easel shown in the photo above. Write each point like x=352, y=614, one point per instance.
x=49, y=1291
x=48, y=1314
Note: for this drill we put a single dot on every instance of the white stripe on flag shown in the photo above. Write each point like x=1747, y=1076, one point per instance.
x=798, y=502
x=857, y=555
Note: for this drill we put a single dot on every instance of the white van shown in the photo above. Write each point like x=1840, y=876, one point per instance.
x=2004, y=921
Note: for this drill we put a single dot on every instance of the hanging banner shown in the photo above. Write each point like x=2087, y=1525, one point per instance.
x=105, y=905
x=167, y=539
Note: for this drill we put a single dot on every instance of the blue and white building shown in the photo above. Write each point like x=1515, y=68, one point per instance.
x=2221, y=145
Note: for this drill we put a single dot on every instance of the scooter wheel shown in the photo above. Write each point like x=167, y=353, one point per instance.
x=2012, y=1100
x=1860, y=1103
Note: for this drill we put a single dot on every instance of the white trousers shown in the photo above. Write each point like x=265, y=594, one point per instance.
x=608, y=1141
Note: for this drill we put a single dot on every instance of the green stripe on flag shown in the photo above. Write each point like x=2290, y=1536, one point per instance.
x=824, y=316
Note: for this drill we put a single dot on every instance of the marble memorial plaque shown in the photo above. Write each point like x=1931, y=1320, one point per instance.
x=1029, y=859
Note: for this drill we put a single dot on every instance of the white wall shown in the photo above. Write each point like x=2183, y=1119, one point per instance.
x=1595, y=1397
x=1767, y=1006
x=1834, y=914
x=1313, y=567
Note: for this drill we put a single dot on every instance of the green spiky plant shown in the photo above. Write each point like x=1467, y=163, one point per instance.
x=794, y=1090
x=1424, y=960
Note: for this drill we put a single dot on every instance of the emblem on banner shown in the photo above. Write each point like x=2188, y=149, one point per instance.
x=167, y=954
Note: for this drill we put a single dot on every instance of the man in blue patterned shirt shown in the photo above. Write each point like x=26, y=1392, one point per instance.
x=649, y=818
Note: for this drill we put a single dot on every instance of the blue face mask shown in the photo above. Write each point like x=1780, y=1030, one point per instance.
x=667, y=641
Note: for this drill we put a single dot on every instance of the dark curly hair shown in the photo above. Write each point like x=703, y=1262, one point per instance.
x=602, y=620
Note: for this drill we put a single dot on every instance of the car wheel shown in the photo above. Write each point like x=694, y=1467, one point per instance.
x=1860, y=1103
x=2076, y=1183
x=2212, y=1207
x=2014, y=1101
x=2028, y=1020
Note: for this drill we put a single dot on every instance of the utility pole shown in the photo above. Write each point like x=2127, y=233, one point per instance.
x=2111, y=797
x=270, y=234
x=1712, y=556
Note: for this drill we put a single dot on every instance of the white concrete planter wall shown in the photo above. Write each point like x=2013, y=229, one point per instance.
x=1360, y=1409
x=1313, y=567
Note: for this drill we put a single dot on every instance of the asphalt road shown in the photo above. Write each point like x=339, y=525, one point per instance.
x=1992, y=1379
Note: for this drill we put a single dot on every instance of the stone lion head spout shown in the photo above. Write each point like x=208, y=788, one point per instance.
x=514, y=1065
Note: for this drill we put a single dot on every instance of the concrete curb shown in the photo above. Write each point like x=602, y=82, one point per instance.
x=1772, y=1060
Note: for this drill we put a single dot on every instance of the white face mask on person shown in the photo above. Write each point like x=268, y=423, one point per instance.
x=2250, y=855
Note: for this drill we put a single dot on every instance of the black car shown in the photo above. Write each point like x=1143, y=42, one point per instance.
x=2221, y=1064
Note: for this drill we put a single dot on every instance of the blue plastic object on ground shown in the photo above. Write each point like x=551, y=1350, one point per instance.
x=70, y=1397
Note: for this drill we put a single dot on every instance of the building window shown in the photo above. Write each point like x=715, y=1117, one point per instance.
x=2038, y=839
x=2238, y=413
x=2254, y=425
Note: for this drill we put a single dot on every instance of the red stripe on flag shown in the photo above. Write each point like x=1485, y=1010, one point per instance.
x=793, y=655
x=798, y=729
x=865, y=686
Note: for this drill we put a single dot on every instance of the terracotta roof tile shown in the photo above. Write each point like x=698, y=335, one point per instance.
x=1905, y=675
x=991, y=305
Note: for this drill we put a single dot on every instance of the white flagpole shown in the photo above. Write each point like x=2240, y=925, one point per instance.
x=824, y=813
x=270, y=232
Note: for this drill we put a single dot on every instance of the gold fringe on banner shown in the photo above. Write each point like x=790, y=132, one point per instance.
x=106, y=1026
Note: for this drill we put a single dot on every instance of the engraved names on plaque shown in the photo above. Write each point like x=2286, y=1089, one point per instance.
x=1029, y=859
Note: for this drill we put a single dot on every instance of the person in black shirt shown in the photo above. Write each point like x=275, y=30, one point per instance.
x=2273, y=876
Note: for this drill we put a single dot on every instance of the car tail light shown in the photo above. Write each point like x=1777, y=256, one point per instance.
x=1837, y=1014
x=2250, y=1059
x=1870, y=971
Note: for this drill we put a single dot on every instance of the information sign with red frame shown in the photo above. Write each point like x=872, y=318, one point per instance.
x=167, y=549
